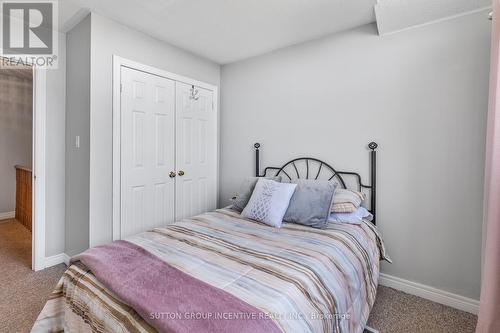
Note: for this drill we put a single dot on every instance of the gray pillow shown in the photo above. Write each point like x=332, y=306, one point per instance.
x=246, y=189
x=311, y=202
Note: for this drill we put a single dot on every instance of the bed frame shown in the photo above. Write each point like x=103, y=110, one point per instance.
x=317, y=169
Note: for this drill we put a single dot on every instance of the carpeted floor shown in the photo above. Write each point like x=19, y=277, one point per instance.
x=397, y=312
x=23, y=294
x=22, y=291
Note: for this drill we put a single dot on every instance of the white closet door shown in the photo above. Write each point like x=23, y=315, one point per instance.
x=196, y=141
x=147, y=151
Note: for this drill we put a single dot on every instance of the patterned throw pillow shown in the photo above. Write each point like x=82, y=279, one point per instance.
x=347, y=201
x=246, y=190
x=269, y=202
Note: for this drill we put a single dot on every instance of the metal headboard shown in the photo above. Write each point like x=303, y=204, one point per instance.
x=290, y=170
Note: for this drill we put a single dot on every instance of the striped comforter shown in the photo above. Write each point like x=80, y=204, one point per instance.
x=305, y=279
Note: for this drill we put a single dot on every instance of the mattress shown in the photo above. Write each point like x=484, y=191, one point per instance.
x=303, y=279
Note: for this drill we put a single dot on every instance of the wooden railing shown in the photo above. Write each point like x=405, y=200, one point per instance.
x=23, y=196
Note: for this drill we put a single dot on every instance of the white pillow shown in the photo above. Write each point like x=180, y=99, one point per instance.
x=355, y=217
x=269, y=202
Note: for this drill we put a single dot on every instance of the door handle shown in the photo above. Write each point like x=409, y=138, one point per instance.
x=171, y=174
x=180, y=173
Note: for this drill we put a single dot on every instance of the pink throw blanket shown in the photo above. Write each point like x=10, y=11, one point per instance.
x=168, y=299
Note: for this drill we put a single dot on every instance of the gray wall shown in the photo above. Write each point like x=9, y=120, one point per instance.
x=78, y=123
x=55, y=154
x=109, y=38
x=421, y=94
x=16, y=120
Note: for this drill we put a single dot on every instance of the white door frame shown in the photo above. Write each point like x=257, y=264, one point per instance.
x=39, y=167
x=38, y=147
x=118, y=62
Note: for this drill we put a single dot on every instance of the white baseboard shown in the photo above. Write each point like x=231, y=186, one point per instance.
x=56, y=260
x=7, y=215
x=66, y=259
x=430, y=293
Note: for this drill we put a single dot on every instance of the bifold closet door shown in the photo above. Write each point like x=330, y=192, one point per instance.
x=196, y=161
x=147, y=151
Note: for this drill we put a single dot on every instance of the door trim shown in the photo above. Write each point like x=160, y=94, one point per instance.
x=39, y=166
x=118, y=62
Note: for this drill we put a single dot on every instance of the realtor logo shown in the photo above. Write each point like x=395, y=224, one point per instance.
x=29, y=31
x=27, y=28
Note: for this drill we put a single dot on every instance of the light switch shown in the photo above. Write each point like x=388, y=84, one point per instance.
x=77, y=141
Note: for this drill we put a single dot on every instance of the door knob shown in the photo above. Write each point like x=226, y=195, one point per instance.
x=171, y=174
x=180, y=173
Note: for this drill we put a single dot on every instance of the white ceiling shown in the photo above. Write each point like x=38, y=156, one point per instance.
x=397, y=15
x=231, y=30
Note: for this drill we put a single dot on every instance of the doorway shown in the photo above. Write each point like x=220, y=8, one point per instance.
x=38, y=135
x=16, y=164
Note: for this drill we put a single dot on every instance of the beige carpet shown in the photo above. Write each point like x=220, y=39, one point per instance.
x=397, y=312
x=23, y=294
x=22, y=291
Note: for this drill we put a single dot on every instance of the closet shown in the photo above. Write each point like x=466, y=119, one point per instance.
x=168, y=150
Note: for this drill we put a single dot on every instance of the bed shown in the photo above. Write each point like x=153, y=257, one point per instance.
x=220, y=272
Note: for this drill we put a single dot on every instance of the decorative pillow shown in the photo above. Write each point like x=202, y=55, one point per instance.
x=347, y=201
x=246, y=189
x=310, y=203
x=269, y=202
x=355, y=217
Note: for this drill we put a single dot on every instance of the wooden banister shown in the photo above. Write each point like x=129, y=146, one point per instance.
x=23, y=195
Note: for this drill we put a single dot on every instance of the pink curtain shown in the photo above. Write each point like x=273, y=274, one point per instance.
x=489, y=312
